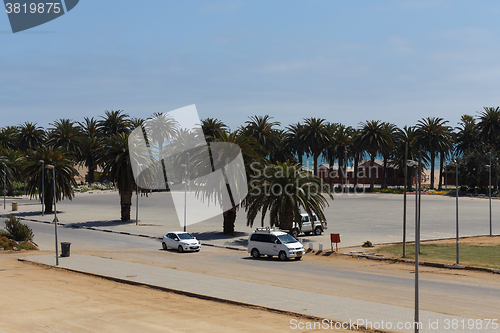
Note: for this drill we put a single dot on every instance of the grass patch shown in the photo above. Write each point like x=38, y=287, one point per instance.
x=470, y=254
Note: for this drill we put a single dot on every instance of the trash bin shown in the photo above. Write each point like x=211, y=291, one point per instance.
x=14, y=206
x=65, y=249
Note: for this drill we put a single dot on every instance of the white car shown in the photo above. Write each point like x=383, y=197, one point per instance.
x=316, y=226
x=273, y=242
x=180, y=240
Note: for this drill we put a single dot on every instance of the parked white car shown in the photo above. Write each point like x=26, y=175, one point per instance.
x=180, y=240
x=316, y=226
x=273, y=242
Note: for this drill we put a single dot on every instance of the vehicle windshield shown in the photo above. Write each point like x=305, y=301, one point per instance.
x=285, y=239
x=185, y=236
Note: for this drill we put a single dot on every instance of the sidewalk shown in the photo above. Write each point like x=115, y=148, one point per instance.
x=339, y=309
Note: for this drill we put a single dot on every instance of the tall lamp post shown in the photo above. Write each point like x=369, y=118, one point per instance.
x=455, y=164
x=4, y=182
x=412, y=163
x=186, y=168
x=489, y=191
x=51, y=167
x=43, y=185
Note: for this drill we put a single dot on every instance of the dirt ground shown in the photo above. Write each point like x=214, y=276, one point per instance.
x=40, y=299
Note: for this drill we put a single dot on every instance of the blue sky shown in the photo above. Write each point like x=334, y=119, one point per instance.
x=345, y=61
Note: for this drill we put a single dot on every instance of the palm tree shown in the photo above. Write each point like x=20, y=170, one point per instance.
x=316, y=138
x=66, y=134
x=467, y=138
x=211, y=128
x=253, y=161
x=114, y=122
x=373, y=138
x=331, y=151
x=444, y=149
x=31, y=136
x=282, y=190
x=115, y=158
x=14, y=161
x=489, y=125
x=357, y=152
x=432, y=135
x=387, y=148
x=64, y=171
x=342, y=139
x=262, y=129
x=9, y=137
x=404, y=139
x=90, y=146
x=293, y=140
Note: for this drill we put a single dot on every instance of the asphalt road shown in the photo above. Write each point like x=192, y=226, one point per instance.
x=374, y=217
x=467, y=294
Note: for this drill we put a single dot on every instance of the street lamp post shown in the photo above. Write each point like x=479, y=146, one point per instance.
x=43, y=185
x=4, y=183
x=345, y=170
x=137, y=197
x=55, y=209
x=455, y=164
x=489, y=191
x=186, y=168
x=412, y=163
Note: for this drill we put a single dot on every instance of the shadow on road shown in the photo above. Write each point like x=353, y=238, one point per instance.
x=93, y=224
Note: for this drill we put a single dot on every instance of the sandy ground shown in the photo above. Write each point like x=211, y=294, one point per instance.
x=41, y=299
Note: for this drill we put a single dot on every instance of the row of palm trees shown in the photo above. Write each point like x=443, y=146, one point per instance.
x=103, y=143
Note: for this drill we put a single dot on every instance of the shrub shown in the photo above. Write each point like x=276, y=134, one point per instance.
x=367, y=244
x=18, y=230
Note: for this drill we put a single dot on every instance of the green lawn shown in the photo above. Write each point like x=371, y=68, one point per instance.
x=470, y=255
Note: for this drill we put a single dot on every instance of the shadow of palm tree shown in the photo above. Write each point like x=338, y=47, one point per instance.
x=93, y=224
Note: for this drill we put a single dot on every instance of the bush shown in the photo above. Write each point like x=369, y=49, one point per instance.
x=18, y=230
x=367, y=244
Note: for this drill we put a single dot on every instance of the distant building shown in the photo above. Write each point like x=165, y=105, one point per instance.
x=393, y=178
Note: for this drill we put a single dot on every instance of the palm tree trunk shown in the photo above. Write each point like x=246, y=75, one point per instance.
x=229, y=219
x=433, y=156
x=286, y=219
x=125, y=204
x=330, y=174
x=356, y=166
x=49, y=199
x=384, y=173
x=91, y=177
x=340, y=173
x=441, y=166
x=315, y=163
x=372, y=175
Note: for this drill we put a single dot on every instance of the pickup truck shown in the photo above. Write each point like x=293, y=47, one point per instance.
x=316, y=226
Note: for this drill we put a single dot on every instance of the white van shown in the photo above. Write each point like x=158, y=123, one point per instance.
x=273, y=242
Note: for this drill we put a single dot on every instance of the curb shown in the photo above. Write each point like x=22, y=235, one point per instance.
x=196, y=295
x=423, y=263
x=123, y=233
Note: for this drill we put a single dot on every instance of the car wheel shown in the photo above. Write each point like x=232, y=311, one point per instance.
x=282, y=255
x=180, y=248
x=318, y=231
x=295, y=232
x=255, y=253
x=164, y=246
